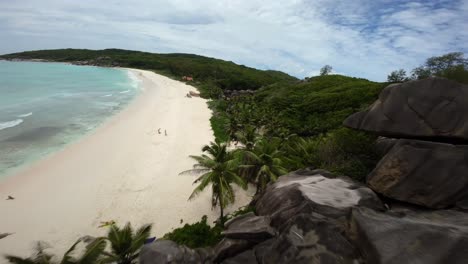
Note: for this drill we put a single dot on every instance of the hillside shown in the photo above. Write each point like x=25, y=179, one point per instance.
x=318, y=104
x=210, y=74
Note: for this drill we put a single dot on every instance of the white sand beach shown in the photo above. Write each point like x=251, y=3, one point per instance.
x=123, y=171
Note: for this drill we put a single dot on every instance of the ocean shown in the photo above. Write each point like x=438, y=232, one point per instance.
x=45, y=106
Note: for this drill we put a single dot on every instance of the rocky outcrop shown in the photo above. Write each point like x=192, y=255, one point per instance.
x=305, y=239
x=429, y=108
x=99, y=61
x=168, y=252
x=242, y=233
x=230, y=247
x=430, y=174
x=411, y=236
x=249, y=227
x=308, y=209
x=314, y=192
x=246, y=257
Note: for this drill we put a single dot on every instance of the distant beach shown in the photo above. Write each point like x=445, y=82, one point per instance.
x=123, y=171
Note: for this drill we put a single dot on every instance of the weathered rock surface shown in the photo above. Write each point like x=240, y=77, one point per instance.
x=230, y=247
x=431, y=108
x=383, y=145
x=408, y=236
x=307, y=240
x=249, y=227
x=313, y=192
x=434, y=175
x=247, y=257
x=166, y=251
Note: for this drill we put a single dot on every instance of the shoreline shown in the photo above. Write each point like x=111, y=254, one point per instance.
x=75, y=138
x=122, y=171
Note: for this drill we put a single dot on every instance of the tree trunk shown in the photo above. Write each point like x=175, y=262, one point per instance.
x=221, y=205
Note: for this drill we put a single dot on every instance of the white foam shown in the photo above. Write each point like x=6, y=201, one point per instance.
x=135, y=81
x=127, y=91
x=107, y=95
x=9, y=124
x=26, y=115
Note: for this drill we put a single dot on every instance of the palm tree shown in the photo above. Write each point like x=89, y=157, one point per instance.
x=248, y=136
x=125, y=243
x=92, y=254
x=266, y=161
x=302, y=151
x=219, y=168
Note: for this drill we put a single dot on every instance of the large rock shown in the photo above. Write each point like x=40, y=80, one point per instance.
x=246, y=257
x=432, y=108
x=406, y=236
x=230, y=247
x=169, y=252
x=434, y=175
x=313, y=192
x=308, y=240
x=249, y=227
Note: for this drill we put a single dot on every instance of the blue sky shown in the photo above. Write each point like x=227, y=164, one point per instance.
x=363, y=38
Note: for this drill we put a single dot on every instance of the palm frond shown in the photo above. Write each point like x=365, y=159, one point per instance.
x=194, y=171
x=205, y=181
x=93, y=251
x=67, y=258
x=141, y=235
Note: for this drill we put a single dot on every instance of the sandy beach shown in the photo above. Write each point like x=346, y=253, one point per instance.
x=123, y=171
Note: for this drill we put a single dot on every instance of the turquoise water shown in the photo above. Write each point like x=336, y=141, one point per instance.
x=44, y=106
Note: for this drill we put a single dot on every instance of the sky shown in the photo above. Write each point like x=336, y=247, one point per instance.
x=361, y=38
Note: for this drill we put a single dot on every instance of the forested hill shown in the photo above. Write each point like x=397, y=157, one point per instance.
x=212, y=73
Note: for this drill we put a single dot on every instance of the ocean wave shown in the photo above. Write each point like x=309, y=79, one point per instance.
x=26, y=115
x=107, y=95
x=126, y=91
x=12, y=123
x=134, y=80
x=107, y=104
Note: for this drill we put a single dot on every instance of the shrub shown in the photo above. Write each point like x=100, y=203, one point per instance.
x=196, y=235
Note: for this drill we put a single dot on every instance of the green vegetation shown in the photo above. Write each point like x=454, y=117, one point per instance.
x=219, y=169
x=452, y=66
x=341, y=151
x=325, y=70
x=196, y=235
x=92, y=254
x=210, y=75
x=317, y=106
x=397, y=76
x=264, y=163
x=200, y=234
x=126, y=243
x=125, y=247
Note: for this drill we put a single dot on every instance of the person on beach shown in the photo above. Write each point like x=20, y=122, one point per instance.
x=159, y=130
x=165, y=132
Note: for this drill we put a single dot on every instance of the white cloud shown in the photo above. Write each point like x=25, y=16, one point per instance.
x=362, y=38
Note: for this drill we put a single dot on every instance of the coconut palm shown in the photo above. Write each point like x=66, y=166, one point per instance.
x=92, y=254
x=126, y=243
x=248, y=136
x=302, y=152
x=265, y=162
x=218, y=168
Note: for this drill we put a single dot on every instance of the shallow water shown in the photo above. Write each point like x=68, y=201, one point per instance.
x=44, y=106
